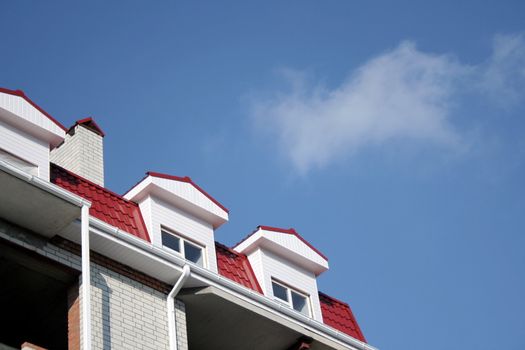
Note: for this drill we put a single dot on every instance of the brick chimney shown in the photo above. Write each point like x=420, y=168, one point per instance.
x=82, y=151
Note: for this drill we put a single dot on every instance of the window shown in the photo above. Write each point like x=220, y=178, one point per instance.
x=297, y=300
x=189, y=250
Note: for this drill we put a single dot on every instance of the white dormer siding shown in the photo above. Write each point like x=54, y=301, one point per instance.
x=26, y=134
x=177, y=206
x=282, y=256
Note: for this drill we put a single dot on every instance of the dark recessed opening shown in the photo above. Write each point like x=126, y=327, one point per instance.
x=33, y=299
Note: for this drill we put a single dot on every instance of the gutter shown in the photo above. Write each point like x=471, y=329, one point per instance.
x=86, y=278
x=84, y=236
x=44, y=185
x=170, y=300
x=101, y=228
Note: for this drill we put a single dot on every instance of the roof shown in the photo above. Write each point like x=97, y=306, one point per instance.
x=236, y=267
x=125, y=215
x=338, y=315
x=90, y=124
x=105, y=205
x=20, y=93
x=290, y=231
x=187, y=179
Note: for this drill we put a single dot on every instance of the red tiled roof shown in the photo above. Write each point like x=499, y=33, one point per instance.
x=236, y=267
x=125, y=215
x=338, y=315
x=20, y=93
x=105, y=205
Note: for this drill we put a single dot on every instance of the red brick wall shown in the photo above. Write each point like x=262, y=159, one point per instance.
x=73, y=318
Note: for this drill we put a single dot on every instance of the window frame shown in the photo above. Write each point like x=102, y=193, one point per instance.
x=289, y=302
x=182, y=242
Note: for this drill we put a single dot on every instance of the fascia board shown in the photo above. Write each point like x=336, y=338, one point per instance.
x=154, y=187
x=189, y=193
x=16, y=111
x=263, y=239
x=138, y=192
x=45, y=185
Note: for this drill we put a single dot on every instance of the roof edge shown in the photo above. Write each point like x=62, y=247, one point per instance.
x=290, y=231
x=20, y=93
x=186, y=179
x=248, y=264
x=90, y=124
x=356, y=324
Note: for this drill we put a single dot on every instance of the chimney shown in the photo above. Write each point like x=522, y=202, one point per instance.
x=82, y=151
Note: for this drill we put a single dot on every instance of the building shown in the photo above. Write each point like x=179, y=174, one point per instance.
x=85, y=268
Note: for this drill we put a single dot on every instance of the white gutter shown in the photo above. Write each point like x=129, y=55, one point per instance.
x=224, y=283
x=86, y=279
x=84, y=232
x=44, y=185
x=170, y=300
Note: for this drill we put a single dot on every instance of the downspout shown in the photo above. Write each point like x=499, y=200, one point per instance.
x=86, y=278
x=172, y=327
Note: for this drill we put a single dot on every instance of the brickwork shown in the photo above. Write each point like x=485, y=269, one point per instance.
x=126, y=314
x=82, y=153
x=128, y=307
x=180, y=320
x=73, y=318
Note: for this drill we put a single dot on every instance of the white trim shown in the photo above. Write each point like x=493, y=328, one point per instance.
x=289, y=290
x=182, y=240
x=44, y=185
x=86, y=279
x=18, y=112
x=170, y=301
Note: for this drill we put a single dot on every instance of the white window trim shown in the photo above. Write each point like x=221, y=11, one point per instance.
x=289, y=291
x=182, y=252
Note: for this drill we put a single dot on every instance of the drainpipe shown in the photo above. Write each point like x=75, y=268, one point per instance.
x=86, y=278
x=172, y=327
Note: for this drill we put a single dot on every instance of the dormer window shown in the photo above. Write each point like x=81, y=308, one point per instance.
x=189, y=250
x=296, y=300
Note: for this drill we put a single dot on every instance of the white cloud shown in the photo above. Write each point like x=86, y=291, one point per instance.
x=403, y=94
x=503, y=75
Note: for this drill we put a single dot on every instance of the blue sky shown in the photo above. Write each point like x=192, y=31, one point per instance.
x=389, y=134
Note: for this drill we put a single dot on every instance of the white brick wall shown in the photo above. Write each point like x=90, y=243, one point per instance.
x=82, y=153
x=126, y=314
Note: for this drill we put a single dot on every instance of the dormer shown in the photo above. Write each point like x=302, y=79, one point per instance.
x=286, y=266
x=27, y=133
x=180, y=216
